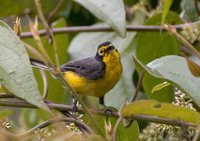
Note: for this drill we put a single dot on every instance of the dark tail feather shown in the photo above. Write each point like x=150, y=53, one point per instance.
x=39, y=64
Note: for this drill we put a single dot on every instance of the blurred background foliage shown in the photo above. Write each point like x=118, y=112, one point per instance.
x=146, y=46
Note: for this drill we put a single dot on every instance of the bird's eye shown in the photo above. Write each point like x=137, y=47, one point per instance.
x=101, y=52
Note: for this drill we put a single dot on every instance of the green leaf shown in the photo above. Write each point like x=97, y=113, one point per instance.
x=16, y=73
x=152, y=45
x=5, y=113
x=112, y=12
x=24, y=7
x=160, y=86
x=166, y=7
x=175, y=69
x=128, y=134
x=163, y=110
x=85, y=45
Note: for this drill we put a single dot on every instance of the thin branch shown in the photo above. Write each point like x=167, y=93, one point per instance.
x=57, y=70
x=115, y=128
x=139, y=84
x=78, y=123
x=196, y=7
x=62, y=107
x=129, y=28
x=56, y=8
x=162, y=120
x=171, y=29
x=48, y=29
x=44, y=124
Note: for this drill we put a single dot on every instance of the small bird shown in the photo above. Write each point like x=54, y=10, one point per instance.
x=94, y=76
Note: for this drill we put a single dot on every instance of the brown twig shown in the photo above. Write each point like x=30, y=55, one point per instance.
x=48, y=29
x=129, y=28
x=171, y=29
x=56, y=8
x=79, y=124
x=62, y=107
x=196, y=7
x=139, y=84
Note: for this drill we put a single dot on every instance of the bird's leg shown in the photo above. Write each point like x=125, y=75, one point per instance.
x=74, y=105
x=107, y=110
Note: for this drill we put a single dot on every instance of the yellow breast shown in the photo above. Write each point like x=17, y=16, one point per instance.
x=97, y=87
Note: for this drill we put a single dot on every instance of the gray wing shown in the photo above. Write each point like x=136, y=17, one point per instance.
x=88, y=67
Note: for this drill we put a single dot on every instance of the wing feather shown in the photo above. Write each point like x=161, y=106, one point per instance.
x=88, y=67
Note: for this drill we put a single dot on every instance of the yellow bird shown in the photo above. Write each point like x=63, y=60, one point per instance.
x=94, y=76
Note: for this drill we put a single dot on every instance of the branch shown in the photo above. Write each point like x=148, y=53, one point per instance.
x=80, y=125
x=129, y=28
x=63, y=108
x=196, y=7
x=55, y=10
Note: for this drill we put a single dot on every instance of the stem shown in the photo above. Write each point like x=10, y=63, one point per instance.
x=129, y=28
x=173, y=31
x=138, y=86
x=62, y=107
x=41, y=15
x=115, y=128
x=78, y=123
x=56, y=8
x=196, y=7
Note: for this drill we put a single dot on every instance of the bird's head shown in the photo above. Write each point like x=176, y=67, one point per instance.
x=107, y=52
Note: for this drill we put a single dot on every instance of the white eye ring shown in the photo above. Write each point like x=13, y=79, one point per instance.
x=101, y=52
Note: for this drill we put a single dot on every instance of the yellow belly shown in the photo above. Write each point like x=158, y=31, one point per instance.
x=97, y=87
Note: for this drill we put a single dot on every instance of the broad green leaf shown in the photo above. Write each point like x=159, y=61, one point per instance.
x=85, y=45
x=24, y=7
x=166, y=7
x=175, y=69
x=16, y=73
x=130, y=133
x=112, y=12
x=163, y=110
x=152, y=45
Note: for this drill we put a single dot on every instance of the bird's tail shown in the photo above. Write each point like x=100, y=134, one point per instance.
x=39, y=64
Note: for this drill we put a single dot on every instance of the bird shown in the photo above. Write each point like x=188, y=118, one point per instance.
x=93, y=76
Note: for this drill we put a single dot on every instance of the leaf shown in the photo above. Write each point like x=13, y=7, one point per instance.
x=128, y=134
x=152, y=45
x=9, y=8
x=112, y=12
x=189, y=11
x=175, y=69
x=16, y=73
x=5, y=113
x=85, y=45
x=163, y=110
x=160, y=86
x=166, y=7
